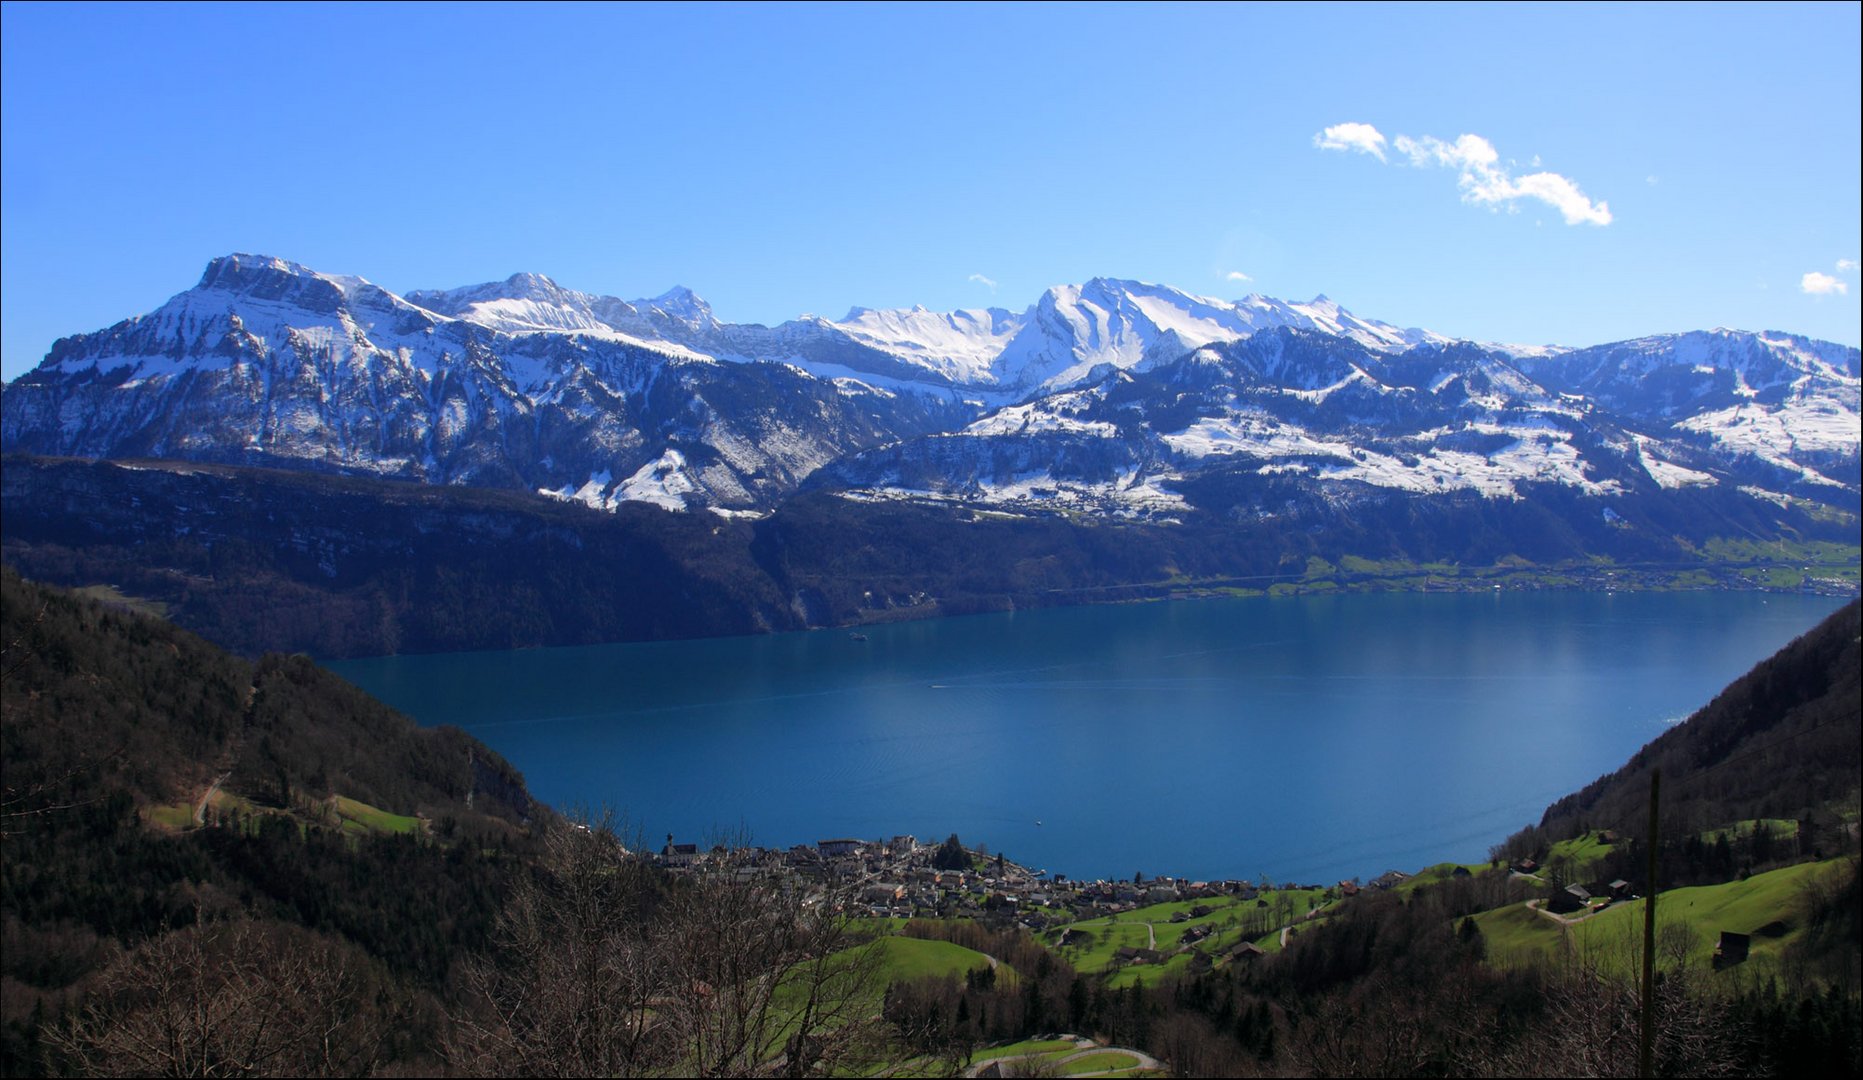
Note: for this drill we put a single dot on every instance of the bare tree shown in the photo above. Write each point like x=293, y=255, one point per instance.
x=573, y=988
x=227, y=999
x=1378, y=1030
x=608, y=966
x=1032, y=1065
x=1593, y=1013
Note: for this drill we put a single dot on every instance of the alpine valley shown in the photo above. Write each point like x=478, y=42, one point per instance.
x=1112, y=436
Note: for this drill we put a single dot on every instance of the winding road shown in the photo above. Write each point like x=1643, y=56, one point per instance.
x=1083, y=1047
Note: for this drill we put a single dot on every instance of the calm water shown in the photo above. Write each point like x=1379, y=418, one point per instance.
x=1308, y=739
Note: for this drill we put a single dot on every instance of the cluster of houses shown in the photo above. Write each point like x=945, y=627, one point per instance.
x=893, y=878
x=1577, y=896
x=897, y=878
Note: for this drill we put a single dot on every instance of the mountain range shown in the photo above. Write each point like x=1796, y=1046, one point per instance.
x=1108, y=398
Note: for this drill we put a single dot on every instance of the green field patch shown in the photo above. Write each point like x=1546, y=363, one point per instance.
x=1436, y=875
x=1613, y=936
x=1780, y=828
x=1354, y=564
x=1100, y=1061
x=227, y=804
x=176, y=816
x=359, y=817
x=1109, y=935
x=1146, y=974
x=1517, y=936
x=1149, y=974
x=114, y=597
x=903, y=959
x=854, y=973
x=1129, y=930
x=1803, y=553
x=1773, y=577
x=1229, y=922
x=1269, y=942
x=1578, y=856
x=1027, y=1048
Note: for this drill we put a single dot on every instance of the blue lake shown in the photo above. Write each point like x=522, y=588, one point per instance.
x=1308, y=739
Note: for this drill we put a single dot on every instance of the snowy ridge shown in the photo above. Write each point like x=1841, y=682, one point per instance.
x=1061, y=339
x=1286, y=403
x=532, y=303
x=1072, y=331
x=518, y=383
x=959, y=345
x=1113, y=396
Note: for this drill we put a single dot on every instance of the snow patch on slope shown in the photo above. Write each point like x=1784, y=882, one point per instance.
x=1534, y=453
x=958, y=345
x=1667, y=473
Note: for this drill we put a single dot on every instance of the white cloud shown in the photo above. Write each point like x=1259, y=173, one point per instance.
x=1816, y=284
x=981, y=280
x=1651, y=180
x=1237, y=275
x=1563, y=195
x=1466, y=152
x=1352, y=136
x=1483, y=178
x=1846, y=266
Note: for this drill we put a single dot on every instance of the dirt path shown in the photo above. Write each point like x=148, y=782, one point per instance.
x=1083, y=1047
x=231, y=755
x=200, y=808
x=1562, y=920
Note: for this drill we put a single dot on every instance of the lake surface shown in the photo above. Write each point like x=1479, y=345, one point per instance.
x=1308, y=739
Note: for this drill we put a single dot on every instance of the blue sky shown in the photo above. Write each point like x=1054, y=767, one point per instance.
x=782, y=160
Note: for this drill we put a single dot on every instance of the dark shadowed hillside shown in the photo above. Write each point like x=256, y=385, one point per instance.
x=259, y=560
x=99, y=698
x=166, y=804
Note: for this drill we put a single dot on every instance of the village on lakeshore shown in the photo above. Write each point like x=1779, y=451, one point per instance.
x=906, y=878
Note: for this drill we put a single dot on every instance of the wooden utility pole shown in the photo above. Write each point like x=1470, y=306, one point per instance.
x=1646, y=1038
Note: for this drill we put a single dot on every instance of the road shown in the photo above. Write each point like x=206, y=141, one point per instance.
x=1083, y=1047
x=200, y=808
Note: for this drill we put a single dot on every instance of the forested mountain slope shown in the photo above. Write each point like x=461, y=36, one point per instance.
x=264, y=819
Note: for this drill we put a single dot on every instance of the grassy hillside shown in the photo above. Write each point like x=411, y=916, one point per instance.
x=1776, y=908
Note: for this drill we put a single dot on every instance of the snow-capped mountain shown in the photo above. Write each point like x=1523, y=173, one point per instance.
x=1060, y=339
x=268, y=362
x=1112, y=396
x=1224, y=428
x=1779, y=398
x=1072, y=331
